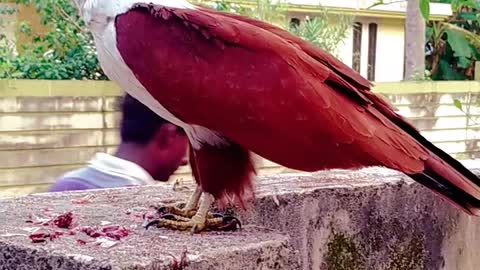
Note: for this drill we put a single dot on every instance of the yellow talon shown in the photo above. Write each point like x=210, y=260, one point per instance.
x=178, y=219
x=188, y=210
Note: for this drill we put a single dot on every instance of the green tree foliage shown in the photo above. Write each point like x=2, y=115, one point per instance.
x=322, y=32
x=65, y=51
x=455, y=43
x=264, y=10
x=6, y=47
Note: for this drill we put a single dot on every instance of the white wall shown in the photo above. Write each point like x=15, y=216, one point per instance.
x=345, y=49
x=390, y=49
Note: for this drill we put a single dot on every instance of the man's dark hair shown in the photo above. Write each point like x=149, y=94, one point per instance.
x=139, y=124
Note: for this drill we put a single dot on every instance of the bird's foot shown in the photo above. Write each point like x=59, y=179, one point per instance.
x=191, y=218
x=178, y=209
x=187, y=210
x=214, y=222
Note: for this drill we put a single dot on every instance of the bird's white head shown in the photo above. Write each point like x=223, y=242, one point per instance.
x=99, y=12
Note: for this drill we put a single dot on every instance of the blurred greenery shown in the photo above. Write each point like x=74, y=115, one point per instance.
x=65, y=51
x=452, y=46
x=454, y=43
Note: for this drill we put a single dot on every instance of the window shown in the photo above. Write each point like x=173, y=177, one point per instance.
x=372, y=50
x=357, y=46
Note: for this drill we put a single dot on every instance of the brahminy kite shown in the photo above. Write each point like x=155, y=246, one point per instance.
x=238, y=86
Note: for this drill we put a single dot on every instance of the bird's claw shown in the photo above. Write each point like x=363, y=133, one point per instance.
x=152, y=223
x=194, y=229
x=230, y=223
x=217, y=222
x=176, y=209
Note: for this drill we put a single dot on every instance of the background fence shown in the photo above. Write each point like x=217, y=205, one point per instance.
x=50, y=127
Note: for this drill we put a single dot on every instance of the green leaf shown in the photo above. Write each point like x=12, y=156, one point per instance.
x=425, y=9
x=428, y=33
x=17, y=74
x=463, y=62
x=448, y=73
x=469, y=16
x=471, y=37
x=378, y=3
x=458, y=4
x=459, y=43
x=61, y=52
x=457, y=103
x=475, y=52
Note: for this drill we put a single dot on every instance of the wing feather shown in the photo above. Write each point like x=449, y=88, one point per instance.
x=276, y=94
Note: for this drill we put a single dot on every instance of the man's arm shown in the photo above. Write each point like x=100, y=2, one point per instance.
x=69, y=184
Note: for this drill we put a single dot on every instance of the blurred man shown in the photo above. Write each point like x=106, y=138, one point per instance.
x=150, y=149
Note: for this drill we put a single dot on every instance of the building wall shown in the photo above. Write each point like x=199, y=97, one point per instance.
x=389, y=64
x=390, y=50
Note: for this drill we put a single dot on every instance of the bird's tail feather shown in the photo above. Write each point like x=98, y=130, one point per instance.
x=451, y=184
x=443, y=174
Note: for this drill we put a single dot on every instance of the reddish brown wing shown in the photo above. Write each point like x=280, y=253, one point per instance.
x=261, y=90
x=361, y=86
x=356, y=80
x=357, y=85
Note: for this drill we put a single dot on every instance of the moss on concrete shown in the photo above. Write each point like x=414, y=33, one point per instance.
x=343, y=254
x=411, y=256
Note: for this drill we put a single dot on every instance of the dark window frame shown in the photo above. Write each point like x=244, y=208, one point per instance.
x=372, y=50
x=357, y=47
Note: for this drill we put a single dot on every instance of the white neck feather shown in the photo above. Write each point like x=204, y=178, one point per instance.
x=98, y=11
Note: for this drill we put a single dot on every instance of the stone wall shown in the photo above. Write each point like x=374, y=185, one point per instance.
x=50, y=127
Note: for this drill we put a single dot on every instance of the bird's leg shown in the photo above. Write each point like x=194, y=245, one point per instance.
x=188, y=210
x=200, y=221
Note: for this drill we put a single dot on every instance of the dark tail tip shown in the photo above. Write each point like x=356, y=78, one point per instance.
x=448, y=191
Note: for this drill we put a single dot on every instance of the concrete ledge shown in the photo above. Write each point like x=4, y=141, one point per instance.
x=348, y=220
x=368, y=219
x=251, y=248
